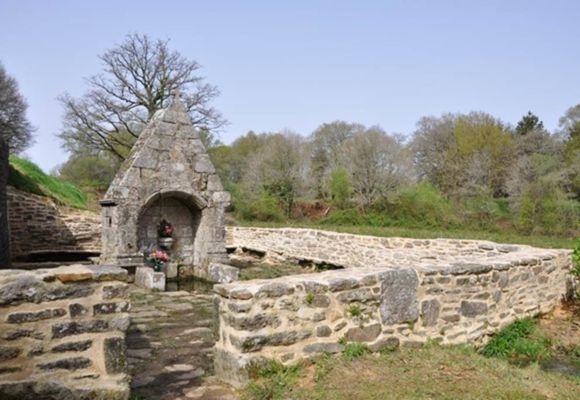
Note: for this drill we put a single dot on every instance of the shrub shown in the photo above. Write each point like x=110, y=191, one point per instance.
x=264, y=208
x=340, y=188
x=518, y=341
x=544, y=207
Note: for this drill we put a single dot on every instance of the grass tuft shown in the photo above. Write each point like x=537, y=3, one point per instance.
x=353, y=350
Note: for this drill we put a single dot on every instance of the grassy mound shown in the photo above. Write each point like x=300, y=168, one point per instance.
x=26, y=176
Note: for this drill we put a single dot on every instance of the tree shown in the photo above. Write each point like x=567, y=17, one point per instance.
x=89, y=171
x=326, y=143
x=14, y=126
x=273, y=169
x=4, y=227
x=570, y=126
x=138, y=78
x=529, y=123
x=462, y=152
x=377, y=164
x=340, y=187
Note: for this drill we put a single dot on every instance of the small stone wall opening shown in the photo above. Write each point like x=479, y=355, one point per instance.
x=180, y=210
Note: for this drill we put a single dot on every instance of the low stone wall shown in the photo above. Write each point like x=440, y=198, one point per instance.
x=62, y=333
x=393, y=292
x=38, y=224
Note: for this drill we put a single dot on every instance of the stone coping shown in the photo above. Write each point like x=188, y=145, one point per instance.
x=426, y=256
x=66, y=274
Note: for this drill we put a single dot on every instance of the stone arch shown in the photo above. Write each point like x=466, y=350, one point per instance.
x=181, y=209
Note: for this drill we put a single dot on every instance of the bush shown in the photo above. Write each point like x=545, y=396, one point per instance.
x=545, y=208
x=264, y=208
x=89, y=172
x=518, y=341
x=423, y=205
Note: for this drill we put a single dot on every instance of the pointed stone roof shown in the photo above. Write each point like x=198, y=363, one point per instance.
x=168, y=156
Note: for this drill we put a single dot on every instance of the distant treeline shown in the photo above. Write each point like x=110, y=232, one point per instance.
x=455, y=170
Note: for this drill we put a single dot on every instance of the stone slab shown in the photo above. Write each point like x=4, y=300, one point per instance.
x=147, y=278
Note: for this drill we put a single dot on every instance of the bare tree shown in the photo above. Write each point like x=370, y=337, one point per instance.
x=377, y=164
x=14, y=126
x=138, y=78
x=277, y=167
x=325, y=147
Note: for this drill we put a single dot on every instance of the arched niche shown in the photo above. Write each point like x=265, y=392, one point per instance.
x=180, y=209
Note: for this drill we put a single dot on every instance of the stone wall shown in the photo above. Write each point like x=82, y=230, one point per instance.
x=38, y=224
x=393, y=292
x=62, y=333
x=4, y=232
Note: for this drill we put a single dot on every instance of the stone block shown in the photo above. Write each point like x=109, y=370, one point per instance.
x=363, y=333
x=323, y=348
x=22, y=317
x=221, y=273
x=170, y=270
x=8, y=353
x=77, y=310
x=147, y=278
x=398, y=296
x=116, y=291
x=72, y=346
x=110, y=308
x=115, y=355
x=472, y=309
x=69, y=328
x=430, y=312
x=70, y=364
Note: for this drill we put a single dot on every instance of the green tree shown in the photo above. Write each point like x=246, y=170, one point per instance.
x=340, y=188
x=89, y=171
x=14, y=126
x=529, y=123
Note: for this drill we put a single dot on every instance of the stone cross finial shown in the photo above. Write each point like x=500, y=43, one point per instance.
x=176, y=94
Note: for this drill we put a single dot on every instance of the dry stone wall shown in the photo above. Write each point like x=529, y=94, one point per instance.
x=38, y=224
x=62, y=333
x=4, y=233
x=392, y=292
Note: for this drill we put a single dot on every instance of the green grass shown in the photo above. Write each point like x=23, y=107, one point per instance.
x=26, y=176
x=431, y=372
x=520, y=341
x=432, y=233
x=354, y=350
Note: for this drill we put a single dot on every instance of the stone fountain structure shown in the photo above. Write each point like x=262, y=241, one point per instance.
x=168, y=175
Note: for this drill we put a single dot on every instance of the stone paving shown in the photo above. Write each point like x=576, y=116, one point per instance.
x=170, y=346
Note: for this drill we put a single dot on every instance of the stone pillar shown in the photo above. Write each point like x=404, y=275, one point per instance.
x=4, y=229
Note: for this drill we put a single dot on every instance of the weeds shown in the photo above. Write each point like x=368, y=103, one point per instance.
x=355, y=310
x=354, y=350
x=272, y=381
x=519, y=342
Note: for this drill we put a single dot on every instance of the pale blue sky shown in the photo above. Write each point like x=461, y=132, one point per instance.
x=297, y=64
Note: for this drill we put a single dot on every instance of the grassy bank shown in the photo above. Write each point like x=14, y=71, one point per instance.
x=522, y=361
x=26, y=176
x=500, y=237
x=431, y=372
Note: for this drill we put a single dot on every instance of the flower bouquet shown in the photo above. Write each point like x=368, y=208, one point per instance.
x=165, y=229
x=156, y=259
